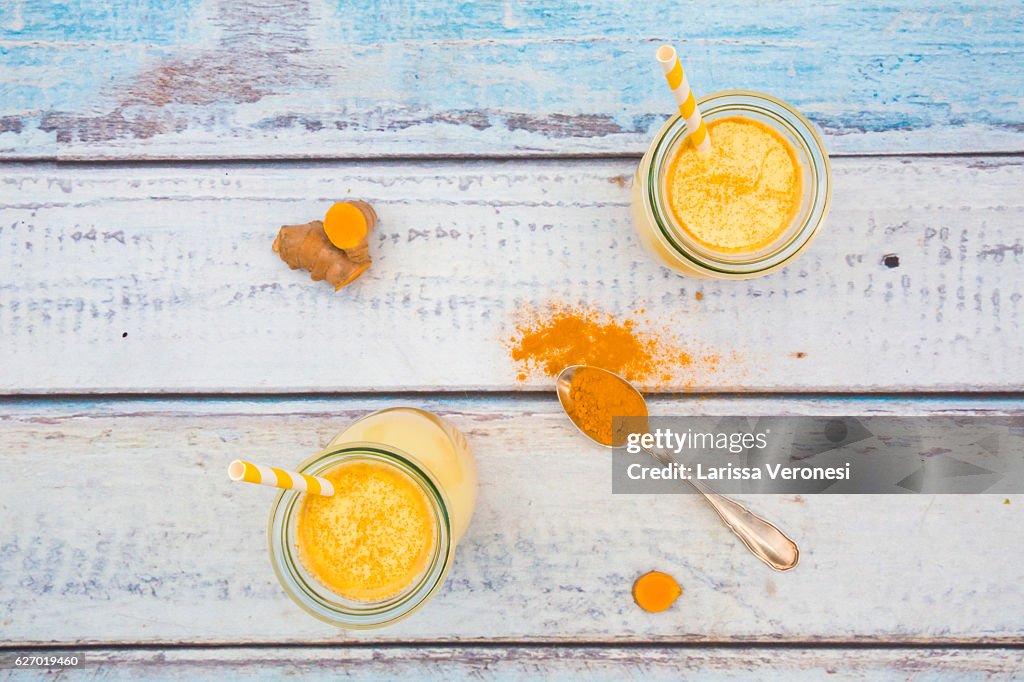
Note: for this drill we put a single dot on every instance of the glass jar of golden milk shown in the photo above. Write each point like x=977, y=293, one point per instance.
x=380, y=547
x=750, y=206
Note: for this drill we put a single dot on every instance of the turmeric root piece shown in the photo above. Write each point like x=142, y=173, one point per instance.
x=656, y=591
x=307, y=246
x=348, y=225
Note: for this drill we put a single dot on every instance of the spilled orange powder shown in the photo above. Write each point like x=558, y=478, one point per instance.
x=551, y=339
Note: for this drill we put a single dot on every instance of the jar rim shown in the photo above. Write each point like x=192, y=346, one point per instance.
x=785, y=119
x=318, y=600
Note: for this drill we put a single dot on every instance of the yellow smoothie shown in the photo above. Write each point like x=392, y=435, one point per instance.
x=741, y=196
x=378, y=534
x=372, y=538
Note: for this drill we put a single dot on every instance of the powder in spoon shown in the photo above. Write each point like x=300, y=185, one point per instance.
x=596, y=398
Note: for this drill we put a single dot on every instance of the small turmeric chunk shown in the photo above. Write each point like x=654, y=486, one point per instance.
x=656, y=591
x=348, y=223
x=306, y=246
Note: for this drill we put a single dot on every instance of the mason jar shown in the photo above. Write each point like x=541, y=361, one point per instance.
x=674, y=247
x=436, y=459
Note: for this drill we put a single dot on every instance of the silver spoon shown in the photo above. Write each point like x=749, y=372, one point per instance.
x=768, y=543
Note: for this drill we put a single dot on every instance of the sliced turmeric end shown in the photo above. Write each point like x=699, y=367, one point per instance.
x=360, y=269
x=656, y=591
x=346, y=226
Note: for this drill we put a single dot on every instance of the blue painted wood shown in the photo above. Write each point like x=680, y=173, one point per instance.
x=220, y=78
x=153, y=22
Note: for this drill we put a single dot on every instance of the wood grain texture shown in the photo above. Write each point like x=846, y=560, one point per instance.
x=120, y=526
x=321, y=78
x=155, y=279
x=549, y=663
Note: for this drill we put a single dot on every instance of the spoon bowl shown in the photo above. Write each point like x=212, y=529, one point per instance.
x=563, y=387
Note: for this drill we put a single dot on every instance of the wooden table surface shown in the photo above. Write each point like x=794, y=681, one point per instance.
x=150, y=149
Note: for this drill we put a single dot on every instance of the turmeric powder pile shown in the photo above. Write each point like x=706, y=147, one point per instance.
x=596, y=398
x=549, y=340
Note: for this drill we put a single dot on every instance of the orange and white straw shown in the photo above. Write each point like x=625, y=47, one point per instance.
x=279, y=478
x=698, y=132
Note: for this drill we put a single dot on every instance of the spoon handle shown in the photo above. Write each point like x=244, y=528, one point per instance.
x=762, y=538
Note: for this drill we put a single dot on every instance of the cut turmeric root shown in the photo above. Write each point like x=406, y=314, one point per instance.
x=337, y=249
x=656, y=591
x=307, y=246
x=347, y=224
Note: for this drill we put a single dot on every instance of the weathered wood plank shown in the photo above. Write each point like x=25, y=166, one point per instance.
x=156, y=279
x=308, y=78
x=550, y=663
x=119, y=525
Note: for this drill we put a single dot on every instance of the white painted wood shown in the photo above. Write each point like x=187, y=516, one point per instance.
x=179, y=259
x=119, y=524
x=520, y=663
x=301, y=78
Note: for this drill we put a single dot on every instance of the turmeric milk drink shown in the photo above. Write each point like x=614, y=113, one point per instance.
x=372, y=538
x=748, y=206
x=741, y=197
x=405, y=487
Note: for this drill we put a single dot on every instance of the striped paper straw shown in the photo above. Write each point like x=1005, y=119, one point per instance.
x=279, y=478
x=698, y=134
